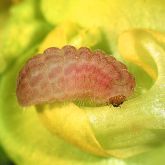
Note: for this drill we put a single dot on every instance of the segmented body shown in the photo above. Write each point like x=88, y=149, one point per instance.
x=71, y=74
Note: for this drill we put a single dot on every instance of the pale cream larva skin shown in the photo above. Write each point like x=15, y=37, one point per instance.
x=71, y=74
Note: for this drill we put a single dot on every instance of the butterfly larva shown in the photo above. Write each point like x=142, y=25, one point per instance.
x=71, y=74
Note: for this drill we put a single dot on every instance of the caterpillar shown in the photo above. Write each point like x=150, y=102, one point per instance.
x=71, y=74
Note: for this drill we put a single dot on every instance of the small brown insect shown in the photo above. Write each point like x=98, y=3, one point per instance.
x=71, y=74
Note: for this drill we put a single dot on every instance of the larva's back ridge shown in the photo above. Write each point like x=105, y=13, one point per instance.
x=71, y=74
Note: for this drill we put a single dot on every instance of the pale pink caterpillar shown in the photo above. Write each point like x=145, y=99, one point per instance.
x=71, y=74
